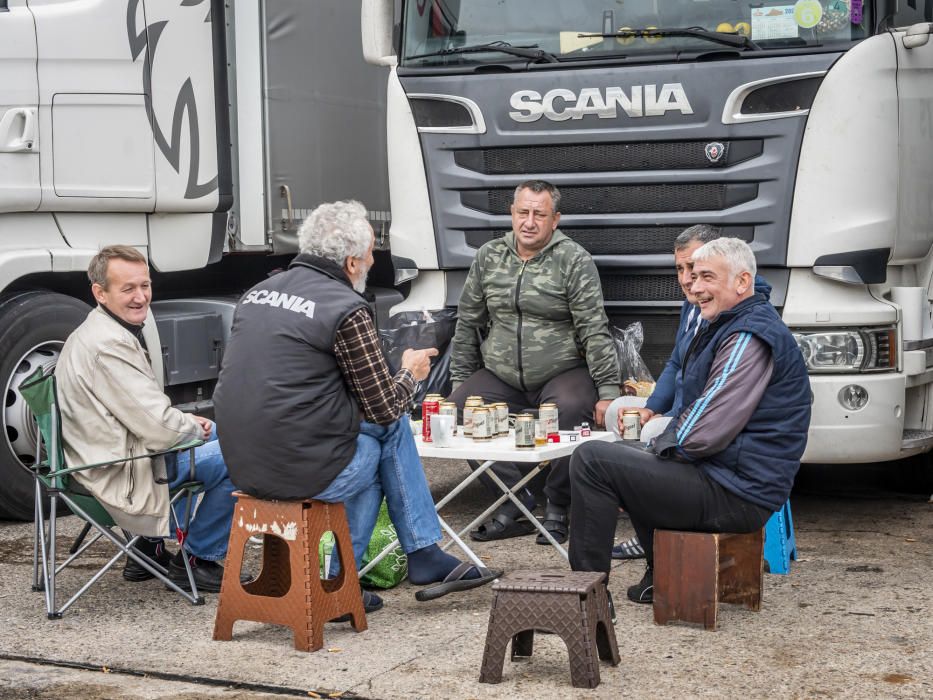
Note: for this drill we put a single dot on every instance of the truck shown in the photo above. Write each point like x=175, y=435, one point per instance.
x=804, y=128
x=200, y=131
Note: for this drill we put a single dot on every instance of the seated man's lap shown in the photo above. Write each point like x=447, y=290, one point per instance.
x=361, y=473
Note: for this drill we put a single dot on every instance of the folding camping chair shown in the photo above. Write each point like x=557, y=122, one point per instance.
x=53, y=477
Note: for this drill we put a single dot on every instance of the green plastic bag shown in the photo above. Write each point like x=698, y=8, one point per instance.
x=391, y=569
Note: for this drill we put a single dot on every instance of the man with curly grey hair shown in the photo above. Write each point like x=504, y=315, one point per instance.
x=306, y=406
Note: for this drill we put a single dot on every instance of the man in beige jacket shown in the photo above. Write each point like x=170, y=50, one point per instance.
x=113, y=405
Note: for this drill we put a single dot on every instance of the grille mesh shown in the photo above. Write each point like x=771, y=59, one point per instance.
x=603, y=157
x=626, y=198
x=649, y=287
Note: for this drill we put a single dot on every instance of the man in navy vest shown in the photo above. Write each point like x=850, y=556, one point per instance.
x=728, y=460
x=306, y=406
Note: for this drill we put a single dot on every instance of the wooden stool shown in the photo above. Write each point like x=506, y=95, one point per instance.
x=289, y=590
x=695, y=571
x=572, y=604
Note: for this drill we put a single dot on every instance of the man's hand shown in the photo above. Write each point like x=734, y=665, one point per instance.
x=206, y=427
x=646, y=415
x=418, y=362
x=599, y=412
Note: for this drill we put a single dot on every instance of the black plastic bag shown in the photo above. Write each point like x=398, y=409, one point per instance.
x=419, y=330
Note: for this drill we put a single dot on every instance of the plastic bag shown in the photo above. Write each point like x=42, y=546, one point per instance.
x=636, y=378
x=419, y=330
x=391, y=569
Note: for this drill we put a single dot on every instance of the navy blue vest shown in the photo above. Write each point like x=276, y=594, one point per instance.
x=762, y=461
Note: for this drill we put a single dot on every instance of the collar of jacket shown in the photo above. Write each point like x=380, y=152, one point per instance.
x=322, y=265
x=556, y=237
x=728, y=315
x=137, y=331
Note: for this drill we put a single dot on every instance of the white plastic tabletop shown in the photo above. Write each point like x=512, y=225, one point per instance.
x=503, y=448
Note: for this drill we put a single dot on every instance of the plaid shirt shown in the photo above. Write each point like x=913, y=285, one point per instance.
x=382, y=397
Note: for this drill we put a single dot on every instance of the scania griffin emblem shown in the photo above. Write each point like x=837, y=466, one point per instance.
x=714, y=151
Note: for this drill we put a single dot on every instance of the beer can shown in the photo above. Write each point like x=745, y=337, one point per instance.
x=547, y=412
x=471, y=404
x=449, y=408
x=475, y=398
x=434, y=397
x=631, y=425
x=525, y=431
x=502, y=418
x=428, y=409
x=482, y=423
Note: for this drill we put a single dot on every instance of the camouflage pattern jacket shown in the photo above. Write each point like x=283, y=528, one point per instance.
x=528, y=321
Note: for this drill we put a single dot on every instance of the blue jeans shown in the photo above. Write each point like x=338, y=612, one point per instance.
x=386, y=463
x=209, y=531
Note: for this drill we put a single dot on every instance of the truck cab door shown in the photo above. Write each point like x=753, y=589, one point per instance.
x=19, y=104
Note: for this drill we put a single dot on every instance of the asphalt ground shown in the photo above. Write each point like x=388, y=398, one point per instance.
x=853, y=619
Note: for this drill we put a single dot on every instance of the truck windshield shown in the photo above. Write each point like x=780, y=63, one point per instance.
x=595, y=29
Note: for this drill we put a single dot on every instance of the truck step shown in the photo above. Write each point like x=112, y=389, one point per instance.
x=916, y=439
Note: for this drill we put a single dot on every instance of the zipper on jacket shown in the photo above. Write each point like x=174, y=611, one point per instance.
x=518, y=312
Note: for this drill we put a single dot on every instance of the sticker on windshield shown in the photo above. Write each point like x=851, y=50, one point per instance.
x=808, y=13
x=856, y=12
x=776, y=22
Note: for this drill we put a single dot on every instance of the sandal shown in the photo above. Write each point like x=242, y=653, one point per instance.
x=501, y=527
x=455, y=582
x=630, y=549
x=556, y=522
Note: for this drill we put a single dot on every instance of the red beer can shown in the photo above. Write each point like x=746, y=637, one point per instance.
x=428, y=409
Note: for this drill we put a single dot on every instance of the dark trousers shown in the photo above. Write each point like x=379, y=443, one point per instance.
x=575, y=395
x=655, y=492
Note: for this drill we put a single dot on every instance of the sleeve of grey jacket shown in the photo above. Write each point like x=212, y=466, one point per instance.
x=585, y=299
x=472, y=317
x=737, y=381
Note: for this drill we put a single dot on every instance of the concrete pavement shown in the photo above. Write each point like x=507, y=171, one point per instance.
x=852, y=620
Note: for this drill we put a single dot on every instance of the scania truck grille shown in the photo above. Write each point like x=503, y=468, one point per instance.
x=609, y=199
x=605, y=157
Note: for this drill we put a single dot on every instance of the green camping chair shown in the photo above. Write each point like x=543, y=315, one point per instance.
x=52, y=477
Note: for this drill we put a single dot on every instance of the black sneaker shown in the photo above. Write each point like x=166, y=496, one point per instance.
x=134, y=572
x=208, y=575
x=643, y=591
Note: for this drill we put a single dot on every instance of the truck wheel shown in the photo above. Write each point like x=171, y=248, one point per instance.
x=33, y=328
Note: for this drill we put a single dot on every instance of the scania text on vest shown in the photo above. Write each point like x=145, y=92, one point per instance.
x=292, y=302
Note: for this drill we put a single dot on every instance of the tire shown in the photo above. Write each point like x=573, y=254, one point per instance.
x=33, y=328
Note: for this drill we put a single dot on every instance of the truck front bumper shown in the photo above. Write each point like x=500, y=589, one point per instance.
x=872, y=434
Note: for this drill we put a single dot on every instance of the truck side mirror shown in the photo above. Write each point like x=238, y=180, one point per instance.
x=376, y=25
x=917, y=35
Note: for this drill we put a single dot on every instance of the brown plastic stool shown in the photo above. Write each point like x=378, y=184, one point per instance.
x=289, y=590
x=572, y=604
x=695, y=571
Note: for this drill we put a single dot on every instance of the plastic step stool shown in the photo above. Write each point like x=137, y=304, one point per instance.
x=780, y=545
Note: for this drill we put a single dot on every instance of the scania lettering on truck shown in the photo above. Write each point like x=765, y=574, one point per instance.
x=201, y=132
x=804, y=128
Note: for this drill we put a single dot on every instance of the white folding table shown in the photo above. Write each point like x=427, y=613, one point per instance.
x=500, y=449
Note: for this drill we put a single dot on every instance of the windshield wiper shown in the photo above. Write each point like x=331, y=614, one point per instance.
x=725, y=38
x=531, y=52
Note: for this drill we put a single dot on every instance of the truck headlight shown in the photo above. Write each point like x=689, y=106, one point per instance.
x=848, y=350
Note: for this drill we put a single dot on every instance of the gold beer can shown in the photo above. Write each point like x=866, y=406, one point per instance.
x=482, y=423
x=468, y=408
x=631, y=425
x=525, y=431
x=547, y=412
x=502, y=418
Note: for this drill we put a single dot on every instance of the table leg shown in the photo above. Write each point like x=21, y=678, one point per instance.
x=521, y=506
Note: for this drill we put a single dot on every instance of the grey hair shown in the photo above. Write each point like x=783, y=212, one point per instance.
x=736, y=252
x=539, y=186
x=97, y=270
x=703, y=233
x=336, y=231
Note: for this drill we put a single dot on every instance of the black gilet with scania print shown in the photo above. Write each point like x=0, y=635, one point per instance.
x=286, y=419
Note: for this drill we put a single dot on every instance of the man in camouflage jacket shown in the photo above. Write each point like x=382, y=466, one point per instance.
x=532, y=330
